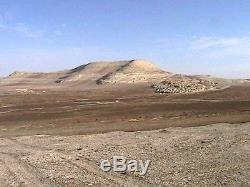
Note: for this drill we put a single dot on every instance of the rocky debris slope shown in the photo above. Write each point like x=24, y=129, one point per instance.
x=184, y=84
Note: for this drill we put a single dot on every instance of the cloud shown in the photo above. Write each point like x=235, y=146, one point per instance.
x=27, y=31
x=208, y=45
x=222, y=46
x=23, y=29
x=220, y=56
x=217, y=42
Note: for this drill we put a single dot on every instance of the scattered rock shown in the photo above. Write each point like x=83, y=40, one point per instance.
x=79, y=148
x=133, y=120
x=183, y=84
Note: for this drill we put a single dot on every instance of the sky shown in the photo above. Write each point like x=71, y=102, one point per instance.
x=191, y=36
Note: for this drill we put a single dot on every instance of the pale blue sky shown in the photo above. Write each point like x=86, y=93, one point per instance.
x=191, y=36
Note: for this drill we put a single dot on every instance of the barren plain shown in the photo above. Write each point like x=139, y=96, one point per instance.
x=56, y=128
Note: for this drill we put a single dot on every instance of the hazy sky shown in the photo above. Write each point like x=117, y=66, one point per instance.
x=191, y=36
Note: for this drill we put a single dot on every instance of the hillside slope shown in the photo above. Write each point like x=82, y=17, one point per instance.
x=88, y=75
x=114, y=73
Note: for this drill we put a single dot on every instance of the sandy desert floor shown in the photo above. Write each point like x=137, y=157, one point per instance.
x=59, y=138
x=214, y=155
x=70, y=113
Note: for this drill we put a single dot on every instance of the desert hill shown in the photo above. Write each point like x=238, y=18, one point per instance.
x=103, y=73
x=89, y=75
x=112, y=72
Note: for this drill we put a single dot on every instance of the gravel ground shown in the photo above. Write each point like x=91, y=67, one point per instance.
x=214, y=155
